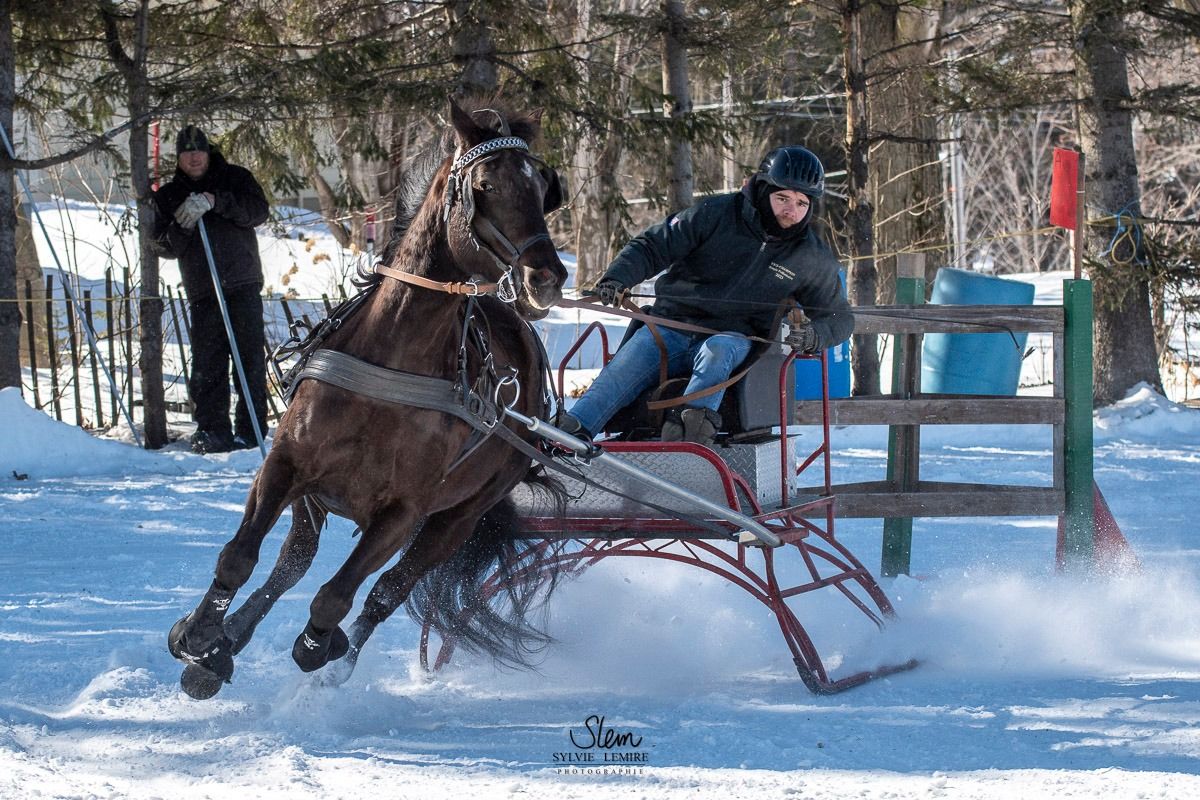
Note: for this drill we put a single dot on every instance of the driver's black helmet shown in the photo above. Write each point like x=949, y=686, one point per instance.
x=794, y=168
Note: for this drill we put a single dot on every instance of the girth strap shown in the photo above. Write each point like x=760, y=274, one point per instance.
x=437, y=394
x=394, y=386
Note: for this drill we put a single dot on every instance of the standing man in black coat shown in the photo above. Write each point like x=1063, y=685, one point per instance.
x=231, y=203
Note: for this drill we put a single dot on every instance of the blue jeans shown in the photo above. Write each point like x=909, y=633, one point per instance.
x=634, y=369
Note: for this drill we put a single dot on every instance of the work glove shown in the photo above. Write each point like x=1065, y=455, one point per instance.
x=802, y=338
x=191, y=210
x=610, y=291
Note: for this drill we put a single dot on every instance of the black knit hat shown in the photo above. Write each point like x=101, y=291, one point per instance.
x=191, y=138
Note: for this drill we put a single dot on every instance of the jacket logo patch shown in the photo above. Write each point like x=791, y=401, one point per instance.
x=782, y=272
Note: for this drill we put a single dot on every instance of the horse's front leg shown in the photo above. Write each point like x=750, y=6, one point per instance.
x=441, y=535
x=322, y=640
x=199, y=639
x=295, y=557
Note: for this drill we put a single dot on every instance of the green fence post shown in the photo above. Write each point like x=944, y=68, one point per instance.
x=904, y=441
x=1077, y=434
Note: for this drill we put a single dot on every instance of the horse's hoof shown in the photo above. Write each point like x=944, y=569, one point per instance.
x=199, y=683
x=207, y=669
x=339, y=671
x=339, y=644
x=175, y=638
x=314, y=650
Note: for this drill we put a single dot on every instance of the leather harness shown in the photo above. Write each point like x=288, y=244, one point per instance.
x=477, y=403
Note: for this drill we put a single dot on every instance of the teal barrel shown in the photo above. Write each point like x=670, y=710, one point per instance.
x=808, y=373
x=973, y=363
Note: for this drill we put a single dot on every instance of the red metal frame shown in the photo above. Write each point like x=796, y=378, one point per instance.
x=827, y=562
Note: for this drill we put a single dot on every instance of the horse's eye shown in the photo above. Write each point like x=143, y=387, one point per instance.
x=487, y=186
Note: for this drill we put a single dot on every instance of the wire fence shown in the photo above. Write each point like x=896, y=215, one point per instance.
x=65, y=377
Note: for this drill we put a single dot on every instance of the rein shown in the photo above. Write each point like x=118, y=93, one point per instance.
x=469, y=288
x=631, y=311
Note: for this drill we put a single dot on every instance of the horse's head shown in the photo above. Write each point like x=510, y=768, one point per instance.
x=497, y=199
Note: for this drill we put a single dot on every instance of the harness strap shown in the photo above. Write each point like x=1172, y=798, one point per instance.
x=513, y=252
x=594, y=305
x=656, y=405
x=393, y=386
x=469, y=288
x=436, y=394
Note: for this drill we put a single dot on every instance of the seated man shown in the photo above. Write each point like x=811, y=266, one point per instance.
x=727, y=264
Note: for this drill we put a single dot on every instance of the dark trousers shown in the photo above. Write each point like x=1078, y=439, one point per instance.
x=212, y=362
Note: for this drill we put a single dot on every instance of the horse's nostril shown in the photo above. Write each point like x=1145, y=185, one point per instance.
x=543, y=277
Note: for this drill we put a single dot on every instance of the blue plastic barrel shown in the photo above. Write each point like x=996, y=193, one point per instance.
x=974, y=363
x=808, y=373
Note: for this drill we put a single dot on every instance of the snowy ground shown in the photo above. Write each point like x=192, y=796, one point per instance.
x=1031, y=685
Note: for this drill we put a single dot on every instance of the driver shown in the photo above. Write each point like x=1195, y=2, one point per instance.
x=726, y=263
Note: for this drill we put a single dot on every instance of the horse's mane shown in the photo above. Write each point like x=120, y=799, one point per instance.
x=419, y=178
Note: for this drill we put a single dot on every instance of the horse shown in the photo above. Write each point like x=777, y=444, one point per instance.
x=446, y=316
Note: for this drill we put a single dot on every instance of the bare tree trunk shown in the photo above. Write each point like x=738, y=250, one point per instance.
x=730, y=171
x=10, y=312
x=905, y=170
x=327, y=200
x=596, y=199
x=1124, y=334
x=860, y=219
x=150, y=304
x=474, y=50
x=29, y=269
x=679, y=101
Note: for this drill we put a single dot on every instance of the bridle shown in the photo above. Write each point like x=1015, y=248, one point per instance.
x=458, y=191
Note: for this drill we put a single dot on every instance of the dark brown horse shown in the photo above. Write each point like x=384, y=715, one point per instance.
x=415, y=479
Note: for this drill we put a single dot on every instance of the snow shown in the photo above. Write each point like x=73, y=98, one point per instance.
x=1031, y=684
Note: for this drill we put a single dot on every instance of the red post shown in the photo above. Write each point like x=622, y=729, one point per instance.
x=155, y=152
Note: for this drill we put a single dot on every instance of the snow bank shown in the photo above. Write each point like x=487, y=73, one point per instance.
x=35, y=446
x=1143, y=413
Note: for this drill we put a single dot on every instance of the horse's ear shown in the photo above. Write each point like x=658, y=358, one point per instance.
x=535, y=115
x=469, y=132
x=554, y=190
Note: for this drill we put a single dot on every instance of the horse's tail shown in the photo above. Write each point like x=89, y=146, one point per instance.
x=484, y=597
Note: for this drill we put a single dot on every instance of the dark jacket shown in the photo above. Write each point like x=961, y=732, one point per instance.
x=725, y=272
x=240, y=205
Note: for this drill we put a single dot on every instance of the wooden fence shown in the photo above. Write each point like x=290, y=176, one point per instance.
x=903, y=495
x=67, y=375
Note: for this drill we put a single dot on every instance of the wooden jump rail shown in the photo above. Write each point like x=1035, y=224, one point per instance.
x=903, y=495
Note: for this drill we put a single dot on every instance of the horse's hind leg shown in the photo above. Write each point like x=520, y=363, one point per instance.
x=199, y=639
x=322, y=640
x=295, y=557
x=438, y=539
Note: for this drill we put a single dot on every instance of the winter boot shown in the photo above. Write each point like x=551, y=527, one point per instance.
x=672, y=429
x=244, y=442
x=568, y=424
x=700, y=425
x=204, y=442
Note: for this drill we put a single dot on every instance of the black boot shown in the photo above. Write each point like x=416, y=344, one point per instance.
x=211, y=442
x=569, y=424
x=700, y=425
x=672, y=429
